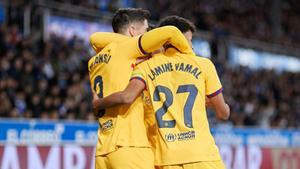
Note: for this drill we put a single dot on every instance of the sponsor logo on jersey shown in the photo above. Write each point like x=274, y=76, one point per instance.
x=183, y=136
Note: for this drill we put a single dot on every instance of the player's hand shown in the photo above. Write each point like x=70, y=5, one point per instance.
x=99, y=113
x=96, y=111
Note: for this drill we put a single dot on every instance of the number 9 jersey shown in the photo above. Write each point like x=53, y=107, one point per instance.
x=178, y=86
x=109, y=72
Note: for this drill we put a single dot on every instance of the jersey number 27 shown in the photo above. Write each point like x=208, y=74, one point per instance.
x=187, y=111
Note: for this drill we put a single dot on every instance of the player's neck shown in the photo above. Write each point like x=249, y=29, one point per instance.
x=126, y=33
x=170, y=51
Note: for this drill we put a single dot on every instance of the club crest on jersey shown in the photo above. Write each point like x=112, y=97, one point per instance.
x=107, y=125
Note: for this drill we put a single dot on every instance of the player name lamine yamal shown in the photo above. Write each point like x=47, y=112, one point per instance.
x=168, y=67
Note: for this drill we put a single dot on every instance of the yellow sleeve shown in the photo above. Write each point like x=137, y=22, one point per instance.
x=99, y=40
x=213, y=85
x=156, y=38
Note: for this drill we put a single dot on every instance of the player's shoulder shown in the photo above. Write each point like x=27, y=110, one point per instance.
x=203, y=60
x=106, y=37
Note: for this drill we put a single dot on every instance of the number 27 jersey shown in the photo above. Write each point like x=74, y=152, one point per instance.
x=178, y=86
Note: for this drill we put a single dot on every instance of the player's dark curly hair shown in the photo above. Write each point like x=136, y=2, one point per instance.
x=182, y=24
x=124, y=16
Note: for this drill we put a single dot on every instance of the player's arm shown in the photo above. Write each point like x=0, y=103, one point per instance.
x=214, y=92
x=135, y=87
x=127, y=96
x=146, y=43
x=221, y=108
x=99, y=40
x=156, y=38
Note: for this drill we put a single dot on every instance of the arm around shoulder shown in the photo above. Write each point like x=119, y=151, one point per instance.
x=156, y=38
x=127, y=96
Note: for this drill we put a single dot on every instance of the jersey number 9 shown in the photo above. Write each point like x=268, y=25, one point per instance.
x=98, y=83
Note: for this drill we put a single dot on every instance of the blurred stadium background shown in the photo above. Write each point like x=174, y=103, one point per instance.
x=45, y=98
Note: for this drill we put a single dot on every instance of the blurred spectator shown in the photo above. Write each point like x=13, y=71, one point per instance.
x=249, y=19
x=2, y=13
x=34, y=83
x=255, y=19
x=270, y=101
x=15, y=12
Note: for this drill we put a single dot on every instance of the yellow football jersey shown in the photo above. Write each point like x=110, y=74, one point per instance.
x=178, y=86
x=110, y=72
x=149, y=120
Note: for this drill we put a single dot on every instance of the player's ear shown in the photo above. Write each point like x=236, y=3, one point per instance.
x=131, y=30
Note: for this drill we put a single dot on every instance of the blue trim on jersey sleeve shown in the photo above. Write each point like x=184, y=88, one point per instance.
x=140, y=46
x=215, y=93
x=140, y=79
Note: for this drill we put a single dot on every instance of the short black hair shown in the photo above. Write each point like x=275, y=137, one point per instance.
x=124, y=16
x=181, y=23
x=150, y=27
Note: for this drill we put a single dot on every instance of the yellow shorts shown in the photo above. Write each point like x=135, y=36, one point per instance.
x=197, y=165
x=126, y=158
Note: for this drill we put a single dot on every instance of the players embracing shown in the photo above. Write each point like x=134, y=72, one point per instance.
x=162, y=107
